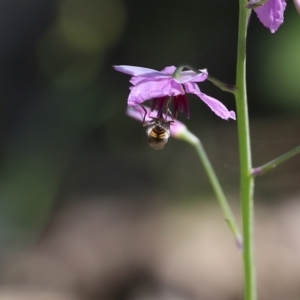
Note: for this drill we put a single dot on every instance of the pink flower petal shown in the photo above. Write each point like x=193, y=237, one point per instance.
x=215, y=105
x=153, y=89
x=191, y=76
x=136, y=71
x=168, y=70
x=271, y=13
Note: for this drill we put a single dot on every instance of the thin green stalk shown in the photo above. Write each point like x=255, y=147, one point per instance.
x=275, y=162
x=229, y=217
x=222, y=85
x=246, y=179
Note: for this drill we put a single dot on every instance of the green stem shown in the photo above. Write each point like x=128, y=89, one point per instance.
x=229, y=217
x=246, y=180
x=275, y=162
x=256, y=4
x=222, y=85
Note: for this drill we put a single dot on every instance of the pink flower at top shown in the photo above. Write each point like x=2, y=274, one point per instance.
x=169, y=85
x=270, y=13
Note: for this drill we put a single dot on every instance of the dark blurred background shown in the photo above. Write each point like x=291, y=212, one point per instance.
x=65, y=137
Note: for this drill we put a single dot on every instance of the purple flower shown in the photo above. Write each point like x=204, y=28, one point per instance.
x=270, y=13
x=170, y=85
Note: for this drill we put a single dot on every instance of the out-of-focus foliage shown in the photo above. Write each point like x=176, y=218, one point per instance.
x=71, y=51
x=51, y=87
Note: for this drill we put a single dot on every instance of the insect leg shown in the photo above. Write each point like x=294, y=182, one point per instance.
x=145, y=113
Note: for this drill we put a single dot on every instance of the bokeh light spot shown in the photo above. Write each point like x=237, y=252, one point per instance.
x=91, y=25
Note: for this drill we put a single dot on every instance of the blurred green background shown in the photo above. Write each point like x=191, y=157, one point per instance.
x=64, y=133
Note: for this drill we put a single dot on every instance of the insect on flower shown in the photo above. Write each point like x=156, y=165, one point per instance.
x=158, y=130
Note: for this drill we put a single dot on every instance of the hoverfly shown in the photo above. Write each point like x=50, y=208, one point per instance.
x=158, y=131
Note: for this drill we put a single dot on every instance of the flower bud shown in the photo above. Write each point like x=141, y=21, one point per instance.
x=297, y=5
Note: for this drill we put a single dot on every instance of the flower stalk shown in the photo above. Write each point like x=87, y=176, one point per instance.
x=246, y=178
x=179, y=130
x=229, y=217
x=222, y=85
x=275, y=162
